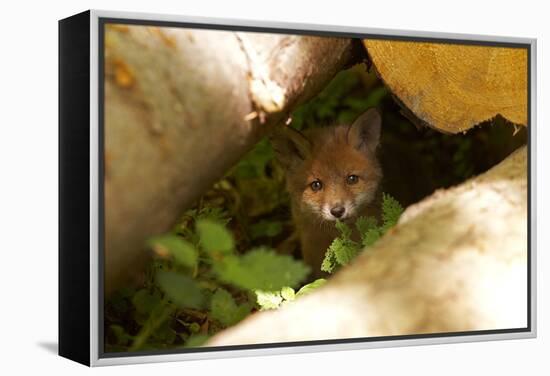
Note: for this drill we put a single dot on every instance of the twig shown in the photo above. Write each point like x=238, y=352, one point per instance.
x=153, y=322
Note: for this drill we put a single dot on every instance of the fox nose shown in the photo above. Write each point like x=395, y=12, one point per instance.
x=337, y=211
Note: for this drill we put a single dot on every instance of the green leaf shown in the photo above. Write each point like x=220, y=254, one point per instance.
x=194, y=327
x=246, y=170
x=224, y=309
x=144, y=301
x=391, y=211
x=184, y=253
x=261, y=269
x=121, y=336
x=344, y=229
x=196, y=340
x=181, y=289
x=253, y=165
x=217, y=214
x=164, y=333
x=346, y=252
x=310, y=287
x=214, y=237
x=222, y=306
x=288, y=293
x=370, y=237
x=268, y=299
x=329, y=262
x=265, y=228
x=364, y=224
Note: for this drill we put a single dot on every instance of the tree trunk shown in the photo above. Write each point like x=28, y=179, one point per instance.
x=181, y=107
x=452, y=87
x=456, y=261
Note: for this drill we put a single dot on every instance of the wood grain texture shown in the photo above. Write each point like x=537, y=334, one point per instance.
x=453, y=87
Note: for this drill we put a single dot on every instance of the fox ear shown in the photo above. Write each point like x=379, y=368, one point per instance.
x=290, y=146
x=364, y=133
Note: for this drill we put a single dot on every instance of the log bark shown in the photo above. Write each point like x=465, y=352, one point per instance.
x=452, y=87
x=456, y=261
x=181, y=107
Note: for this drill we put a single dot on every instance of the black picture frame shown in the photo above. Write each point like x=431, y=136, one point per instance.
x=81, y=119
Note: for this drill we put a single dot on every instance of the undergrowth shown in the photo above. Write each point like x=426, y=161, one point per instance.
x=200, y=284
x=232, y=254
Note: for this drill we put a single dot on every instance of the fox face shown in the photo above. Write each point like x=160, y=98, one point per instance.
x=332, y=172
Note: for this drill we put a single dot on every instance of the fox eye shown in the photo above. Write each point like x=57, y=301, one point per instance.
x=316, y=185
x=352, y=179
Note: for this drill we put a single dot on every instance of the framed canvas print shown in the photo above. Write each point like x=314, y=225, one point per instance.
x=232, y=188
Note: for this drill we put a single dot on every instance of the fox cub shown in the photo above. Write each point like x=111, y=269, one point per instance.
x=332, y=173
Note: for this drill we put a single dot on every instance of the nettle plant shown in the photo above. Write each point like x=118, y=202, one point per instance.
x=200, y=284
x=343, y=249
x=208, y=273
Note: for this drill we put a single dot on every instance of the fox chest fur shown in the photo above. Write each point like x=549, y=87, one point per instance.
x=332, y=173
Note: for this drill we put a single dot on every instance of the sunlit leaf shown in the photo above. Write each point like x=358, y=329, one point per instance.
x=363, y=224
x=329, y=262
x=288, y=293
x=268, y=299
x=370, y=237
x=306, y=289
x=261, y=269
x=345, y=250
x=345, y=230
x=391, y=211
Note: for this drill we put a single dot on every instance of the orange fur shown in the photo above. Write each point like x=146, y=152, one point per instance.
x=330, y=155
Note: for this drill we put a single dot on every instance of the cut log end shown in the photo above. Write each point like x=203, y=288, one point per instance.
x=452, y=87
